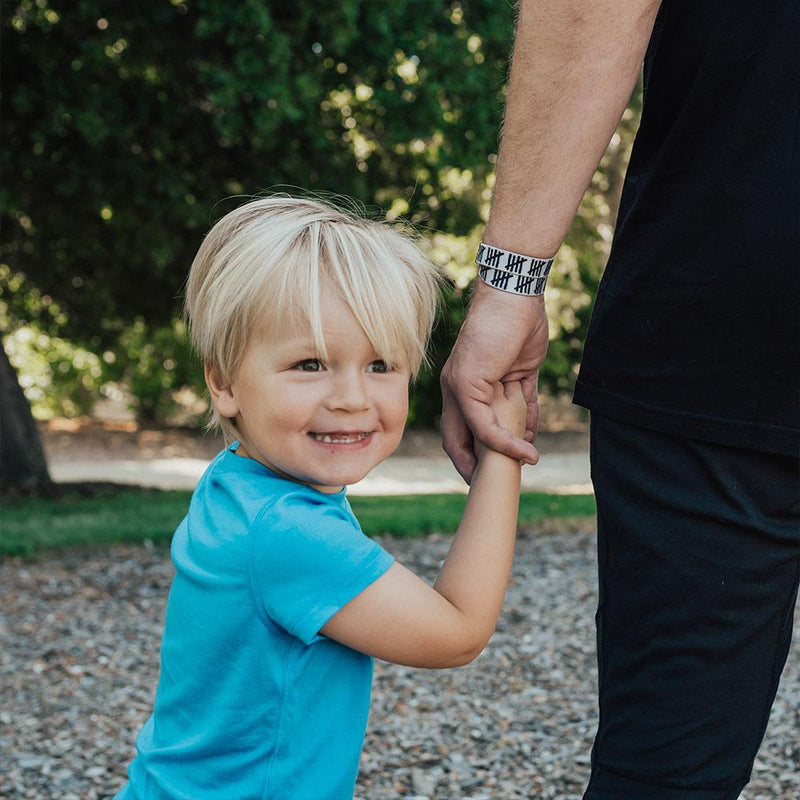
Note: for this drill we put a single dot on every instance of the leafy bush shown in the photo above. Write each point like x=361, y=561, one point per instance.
x=132, y=127
x=153, y=362
x=58, y=377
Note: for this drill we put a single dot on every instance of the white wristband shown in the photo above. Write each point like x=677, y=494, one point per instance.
x=512, y=272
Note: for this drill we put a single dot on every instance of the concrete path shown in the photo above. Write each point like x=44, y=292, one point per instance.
x=563, y=473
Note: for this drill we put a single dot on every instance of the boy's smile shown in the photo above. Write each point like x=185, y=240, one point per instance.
x=342, y=438
x=322, y=421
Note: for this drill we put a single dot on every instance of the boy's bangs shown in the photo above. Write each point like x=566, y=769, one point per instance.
x=291, y=299
x=387, y=330
x=383, y=323
x=377, y=292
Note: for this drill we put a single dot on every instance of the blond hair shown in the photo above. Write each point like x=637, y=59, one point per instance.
x=263, y=266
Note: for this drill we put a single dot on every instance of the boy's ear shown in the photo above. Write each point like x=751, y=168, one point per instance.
x=221, y=394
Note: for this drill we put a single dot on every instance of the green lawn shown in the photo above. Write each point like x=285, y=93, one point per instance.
x=29, y=526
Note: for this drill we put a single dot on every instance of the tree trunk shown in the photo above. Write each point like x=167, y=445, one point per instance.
x=22, y=462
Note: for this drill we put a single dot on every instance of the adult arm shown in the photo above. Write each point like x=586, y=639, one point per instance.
x=574, y=67
x=402, y=619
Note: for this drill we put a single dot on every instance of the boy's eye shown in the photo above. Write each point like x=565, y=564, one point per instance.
x=309, y=365
x=379, y=366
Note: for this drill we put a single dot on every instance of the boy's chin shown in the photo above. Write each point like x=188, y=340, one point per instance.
x=332, y=484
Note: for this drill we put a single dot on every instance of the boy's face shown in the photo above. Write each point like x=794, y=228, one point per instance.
x=327, y=422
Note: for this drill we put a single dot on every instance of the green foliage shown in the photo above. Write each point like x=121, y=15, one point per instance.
x=127, y=124
x=425, y=402
x=132, y=515
x=153, y=362
x=32, y=525
x=57, y=376
x=415, y=515
x=61, y=378
x=130, y=128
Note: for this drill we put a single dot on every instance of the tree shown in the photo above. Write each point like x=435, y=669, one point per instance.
x=126, y=125
x=22, y=466
x=130, y=128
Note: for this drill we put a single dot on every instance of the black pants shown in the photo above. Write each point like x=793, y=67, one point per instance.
x=699, y=559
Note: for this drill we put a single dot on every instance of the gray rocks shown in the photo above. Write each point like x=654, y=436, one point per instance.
x=79, y=640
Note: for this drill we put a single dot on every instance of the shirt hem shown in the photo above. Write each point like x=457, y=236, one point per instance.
x=734, y=433
x=376, y=567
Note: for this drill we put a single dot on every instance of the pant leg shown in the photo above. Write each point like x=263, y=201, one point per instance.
x=699, y=558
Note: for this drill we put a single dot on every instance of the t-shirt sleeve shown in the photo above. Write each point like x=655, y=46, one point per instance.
x=308, y=559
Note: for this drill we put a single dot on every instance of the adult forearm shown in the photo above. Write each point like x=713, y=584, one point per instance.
x=575, y=64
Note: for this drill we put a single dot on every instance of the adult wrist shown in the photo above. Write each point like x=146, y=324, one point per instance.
x=486, y=294
x=512, y=272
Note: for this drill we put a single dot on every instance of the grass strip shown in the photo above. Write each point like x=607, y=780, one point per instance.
x=123, y=515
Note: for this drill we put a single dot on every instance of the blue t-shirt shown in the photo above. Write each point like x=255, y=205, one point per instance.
x=252, y=701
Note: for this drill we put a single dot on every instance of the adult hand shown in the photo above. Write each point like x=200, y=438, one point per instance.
x=503, y=338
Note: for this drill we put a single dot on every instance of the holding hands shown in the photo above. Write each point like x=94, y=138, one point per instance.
x=502, y=341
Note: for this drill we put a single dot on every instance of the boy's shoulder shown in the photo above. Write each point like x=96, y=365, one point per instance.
x=257, y=492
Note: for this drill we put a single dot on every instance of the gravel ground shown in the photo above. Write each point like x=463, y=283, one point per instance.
x=80, y=636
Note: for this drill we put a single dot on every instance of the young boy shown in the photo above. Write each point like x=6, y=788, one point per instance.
x=311, y=323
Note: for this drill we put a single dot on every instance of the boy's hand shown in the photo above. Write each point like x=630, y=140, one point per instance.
x=503, y=338
x=510, y=409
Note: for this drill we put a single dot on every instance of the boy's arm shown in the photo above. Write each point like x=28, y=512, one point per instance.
x=402, y=619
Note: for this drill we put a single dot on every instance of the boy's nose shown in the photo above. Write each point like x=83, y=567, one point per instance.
x=348, y=393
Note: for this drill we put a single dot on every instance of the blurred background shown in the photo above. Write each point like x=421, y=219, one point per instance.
x=128, y=129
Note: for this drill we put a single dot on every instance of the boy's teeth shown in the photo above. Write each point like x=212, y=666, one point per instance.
x=328, y=438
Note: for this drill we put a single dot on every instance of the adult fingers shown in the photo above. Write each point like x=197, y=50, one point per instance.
x=457, y=439
x=483, y=423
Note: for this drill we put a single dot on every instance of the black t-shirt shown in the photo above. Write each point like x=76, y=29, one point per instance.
x=696, y=328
